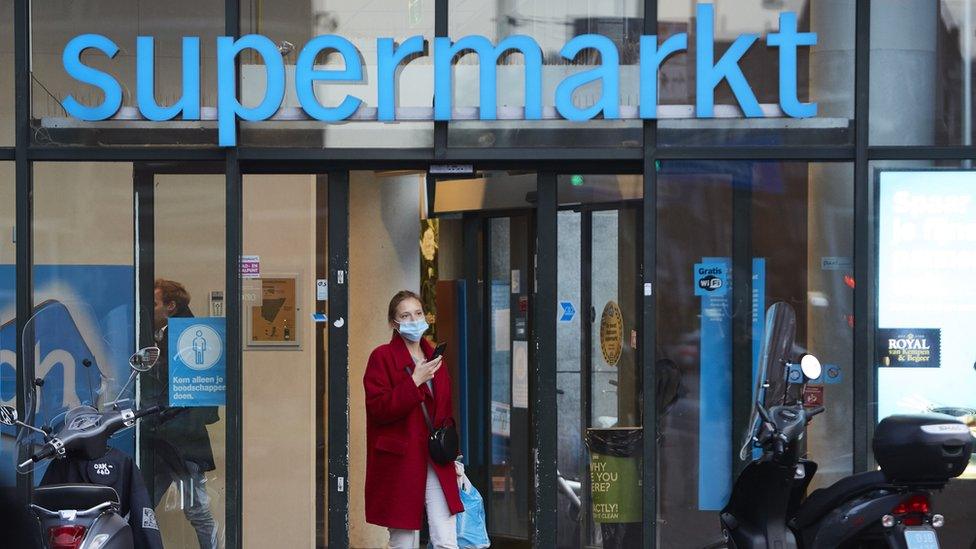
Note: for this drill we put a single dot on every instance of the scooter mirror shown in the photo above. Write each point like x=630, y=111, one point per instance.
x=144, y=359
x=811, y=366
x=8, y=415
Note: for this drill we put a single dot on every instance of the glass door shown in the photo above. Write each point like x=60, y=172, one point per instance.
x=598, y=364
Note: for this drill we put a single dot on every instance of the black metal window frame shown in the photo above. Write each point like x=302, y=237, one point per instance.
x=244, y=159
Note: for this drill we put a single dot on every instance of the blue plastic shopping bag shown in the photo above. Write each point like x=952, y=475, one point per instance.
x=472, y=532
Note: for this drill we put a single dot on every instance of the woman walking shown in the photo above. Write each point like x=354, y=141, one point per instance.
x=402, y=481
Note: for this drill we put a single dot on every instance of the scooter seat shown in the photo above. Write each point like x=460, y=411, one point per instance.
x=78, y=497
x=822, y=501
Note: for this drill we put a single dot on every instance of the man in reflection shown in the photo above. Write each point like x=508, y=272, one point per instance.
x=177, y=439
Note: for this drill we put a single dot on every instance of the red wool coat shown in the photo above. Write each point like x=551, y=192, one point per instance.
x=396, y=438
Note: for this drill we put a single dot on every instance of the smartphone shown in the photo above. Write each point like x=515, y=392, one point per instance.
x=439, y=350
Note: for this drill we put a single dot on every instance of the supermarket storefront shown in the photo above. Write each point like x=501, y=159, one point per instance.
x=555, y=179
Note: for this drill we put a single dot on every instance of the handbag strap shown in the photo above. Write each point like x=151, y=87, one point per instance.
x=423, y=405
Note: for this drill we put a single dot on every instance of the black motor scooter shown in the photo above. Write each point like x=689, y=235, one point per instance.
x=83, y=516
x=888, y=508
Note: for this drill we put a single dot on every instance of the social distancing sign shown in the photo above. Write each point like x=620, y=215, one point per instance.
x=197, y=362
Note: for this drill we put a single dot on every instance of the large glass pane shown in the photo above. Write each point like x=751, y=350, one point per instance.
x=183, y=456
x=508, y=311
x=292, y=23
x=800, y=218
x=54, y=23
x=599, y=371
x=614, y=435
x=84, y=292
x=572, y=467
x=922, y=56
x=599, y=188
x=8, y=317
x=7, y=74
x=825, y=73
x=923, y=360
x=552, y=25
x=283, y=358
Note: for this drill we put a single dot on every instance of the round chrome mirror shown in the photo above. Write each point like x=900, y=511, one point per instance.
x=8, y=415
x=144, y=359
x=811, y=366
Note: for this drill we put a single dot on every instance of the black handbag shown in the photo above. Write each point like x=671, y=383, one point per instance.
x=443, y=441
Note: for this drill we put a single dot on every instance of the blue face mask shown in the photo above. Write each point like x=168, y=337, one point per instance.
x=413, y=330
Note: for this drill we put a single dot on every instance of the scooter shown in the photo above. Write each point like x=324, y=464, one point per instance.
x=886, y=508
x=83, y=516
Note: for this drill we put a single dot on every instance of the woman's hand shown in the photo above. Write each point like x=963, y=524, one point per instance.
x=459, y=469
x=425, y=372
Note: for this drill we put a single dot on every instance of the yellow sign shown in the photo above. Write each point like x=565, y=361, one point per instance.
x=611, y=333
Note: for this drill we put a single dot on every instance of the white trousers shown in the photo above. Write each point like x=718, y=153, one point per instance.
x=443, y=530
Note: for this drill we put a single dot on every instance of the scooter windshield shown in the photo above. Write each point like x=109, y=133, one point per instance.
x=80, y=363
x=771, y=382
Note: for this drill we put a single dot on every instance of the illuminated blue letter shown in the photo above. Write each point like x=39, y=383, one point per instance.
x=189, y=104
x=488, y=55
x=727, y=68
x=228, y=107
x=651, y=59
x=71, y=59
x=788, y=39
x=608, y=72
x=306, y=76
x=389, y=57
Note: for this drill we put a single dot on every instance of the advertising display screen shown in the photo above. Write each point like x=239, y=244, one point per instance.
x=926, y=332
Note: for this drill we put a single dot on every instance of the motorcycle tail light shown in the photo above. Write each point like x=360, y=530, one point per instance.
x=912, y=510
x=66, y=537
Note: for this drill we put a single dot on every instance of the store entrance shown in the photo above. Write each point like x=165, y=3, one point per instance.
x=322, y=255
x=598, y=373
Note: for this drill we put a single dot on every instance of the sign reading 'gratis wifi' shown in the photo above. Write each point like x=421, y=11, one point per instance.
x=392, y=55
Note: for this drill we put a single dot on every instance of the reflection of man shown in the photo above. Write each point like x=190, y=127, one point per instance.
x=178, y=439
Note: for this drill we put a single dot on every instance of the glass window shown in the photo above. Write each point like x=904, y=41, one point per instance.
x=7, y=75
x=292, y=23
x=183, y=457
x=552, y=25
x=801, y=220
x=921, y=68
x=825, y=74
x=54, y=23
x=8, y=317
x=599, y=188
x=84, y=289
x=283, y=360
x=925, y=216
x=88, y=279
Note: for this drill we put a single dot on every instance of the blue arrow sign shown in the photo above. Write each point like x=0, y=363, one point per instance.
x=569, y=312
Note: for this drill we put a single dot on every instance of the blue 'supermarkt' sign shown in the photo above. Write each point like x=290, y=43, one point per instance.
x=391, y=55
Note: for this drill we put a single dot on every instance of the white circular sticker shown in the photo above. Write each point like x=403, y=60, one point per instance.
x=200, y=347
